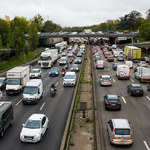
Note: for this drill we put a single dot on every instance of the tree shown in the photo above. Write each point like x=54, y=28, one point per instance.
x=148, y=15
x=33, y=36
x=1, y=45
x=145, y=31
x=49, y=26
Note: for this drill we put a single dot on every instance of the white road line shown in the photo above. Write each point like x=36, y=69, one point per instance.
x=108, y=69
x=42, y=106
x=56, y=84
x=19, y=102
x=146, y=145
x=148, y=98
x=124, y=100
x=4, y=93
x=132, y=80
x=114, y=80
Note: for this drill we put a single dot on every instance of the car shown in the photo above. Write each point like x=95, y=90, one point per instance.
x=110, y=58
x=120, y=58
x=35, y=73
x=3, y=82
x=63, y=61
x=96, y=54
x=105, y=80
x=6, y=116
x=106, y=54
x=135, y=89
x=75, y=67
x=142, y=64
x=70, y=54
x=79, y=54
x=54, y=71
x=97, y=58
x=70, y=79
x=148, y=87
x=100, y=64
x=94, y=51
x=78, y=60
x=146, y=59
x=34, y=128
x=63, y=54
x=114, y=66
x=119, y=131
x=1, y=95
x=112, y=102
x=130, y=64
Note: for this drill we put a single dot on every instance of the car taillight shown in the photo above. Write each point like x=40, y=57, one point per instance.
x=109, y=80
x=130, y=133
x=141, y=90
x=102, y=80
x=114, y=133
x=119, y=103
x=133, y=90
x=107, y=103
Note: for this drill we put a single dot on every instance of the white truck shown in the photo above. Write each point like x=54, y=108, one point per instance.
x=142, y=74
x=123, y=72
x=48, y=58
x=61, y=46
x=17, y=79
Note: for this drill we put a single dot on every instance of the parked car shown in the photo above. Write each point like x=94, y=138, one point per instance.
x=3, y=82
x=119, y=132
x=114, y=66
x=142, y=64
x=112, y=102
x=135, y=89
x=100, y=64
x=120, y=58
x=105, y=80
x=1, y=95
x=35, y=73
x=75, y=67
x=6, y=116
x=54, y=71
x=34, y=128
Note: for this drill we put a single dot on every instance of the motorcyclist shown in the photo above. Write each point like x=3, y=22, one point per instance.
x=54, y=87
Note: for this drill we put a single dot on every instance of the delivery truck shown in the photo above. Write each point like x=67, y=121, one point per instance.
x=16, y=79
x=133, y=53
x=142, y=74
x=48, y=58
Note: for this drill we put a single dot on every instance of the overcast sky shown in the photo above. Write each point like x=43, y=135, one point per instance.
x=73, y=12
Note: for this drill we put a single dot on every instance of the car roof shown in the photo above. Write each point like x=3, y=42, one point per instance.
x=135, y=85
x=36, y=116
x=3, y=78
x=121, y=123
x=112, y=96
x=103, y=76
x=35, y=69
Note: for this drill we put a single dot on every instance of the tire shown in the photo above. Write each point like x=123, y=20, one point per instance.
x=11, y=121
x=41, y=138
x=2, y=134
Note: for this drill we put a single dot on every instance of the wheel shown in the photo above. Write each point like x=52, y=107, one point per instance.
x=11, y=121
x=2, y=134
x=41, y=138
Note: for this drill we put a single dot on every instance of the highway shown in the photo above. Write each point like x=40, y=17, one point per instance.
x=135, y=109
x=56, y=108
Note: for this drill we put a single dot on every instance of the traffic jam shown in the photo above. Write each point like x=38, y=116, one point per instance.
x=122, y=77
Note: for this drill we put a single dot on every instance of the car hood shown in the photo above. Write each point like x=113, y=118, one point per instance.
x=30, y=132
x=12, y=86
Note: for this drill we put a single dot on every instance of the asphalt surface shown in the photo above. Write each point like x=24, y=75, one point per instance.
x=135, y=109
x=55, y=108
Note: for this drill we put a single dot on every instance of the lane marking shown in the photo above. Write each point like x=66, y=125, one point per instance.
x=56, y=84
x=148, y=98
x=124, y=100
x=146, y=145
x=132, y=80
x=108, y=69
x=19, y=102
x=114, y=80
x=4, y=93
x=42, y=106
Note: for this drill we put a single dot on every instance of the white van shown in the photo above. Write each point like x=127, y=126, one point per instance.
x=129, y=63
x=123, y=72
x=70, y=79
x=33, y=91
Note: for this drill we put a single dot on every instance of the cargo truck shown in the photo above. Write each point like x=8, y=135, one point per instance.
x=142, y=74
x=16, y=79
x=48, y=58
x=132, y=53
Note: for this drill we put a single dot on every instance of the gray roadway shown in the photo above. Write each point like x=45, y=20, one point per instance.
x=56, y=108
x=135, y=109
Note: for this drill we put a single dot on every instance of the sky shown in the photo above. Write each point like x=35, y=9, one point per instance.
x=73, y=12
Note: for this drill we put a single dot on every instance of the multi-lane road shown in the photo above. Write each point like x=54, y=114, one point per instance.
x=135, y=109
x=55, y=108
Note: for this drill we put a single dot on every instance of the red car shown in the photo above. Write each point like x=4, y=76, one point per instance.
x=110, y=58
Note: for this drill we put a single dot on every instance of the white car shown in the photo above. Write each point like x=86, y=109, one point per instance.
x=35, y=73
x=34, y=128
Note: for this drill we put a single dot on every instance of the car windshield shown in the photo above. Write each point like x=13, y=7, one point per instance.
x=69, y=76
x=34, y=71
x=74, y=66
x=62, y=59
x=1, y=80
x=122, y=132
x=45, y=58
x=13, y=82
x=54, y=69
x=120, y=56
x=33, y=124
x=30, y=90
x=78, y=58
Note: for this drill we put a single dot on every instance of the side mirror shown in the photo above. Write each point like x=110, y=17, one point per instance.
x=23, y=124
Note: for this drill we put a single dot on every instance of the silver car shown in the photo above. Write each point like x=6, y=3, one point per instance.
x=105, y=80
x=119, y=132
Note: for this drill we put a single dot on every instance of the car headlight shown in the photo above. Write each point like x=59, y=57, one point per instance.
x=37, y=135
x=16, y=88
x=21, y=134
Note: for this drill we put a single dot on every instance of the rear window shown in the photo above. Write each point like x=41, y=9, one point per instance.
x=137, y=87
x=122, y=132
x=113, y=100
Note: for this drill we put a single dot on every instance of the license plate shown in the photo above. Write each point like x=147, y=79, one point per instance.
x=113, y=104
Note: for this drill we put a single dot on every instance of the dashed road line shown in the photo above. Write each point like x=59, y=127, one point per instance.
x=148, y=98
x=19, y=102
x=132, y=80
x=56, y=84
x=147, y=147
x=42, y=106
x=124, y=100
x=114, y=80
x=108, y=69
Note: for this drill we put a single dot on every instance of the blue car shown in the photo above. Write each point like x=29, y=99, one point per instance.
x=54, y=72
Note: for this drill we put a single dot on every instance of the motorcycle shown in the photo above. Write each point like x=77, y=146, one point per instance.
x=52, y=91
x=66, y=66
x=63, y=73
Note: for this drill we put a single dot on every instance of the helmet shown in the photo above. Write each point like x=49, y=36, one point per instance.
x=53, y=84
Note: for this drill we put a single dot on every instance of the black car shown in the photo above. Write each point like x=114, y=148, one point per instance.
x=6, y=116
x=135, y=89
x=3, y=82
x=114, y=66
x=112, y=102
